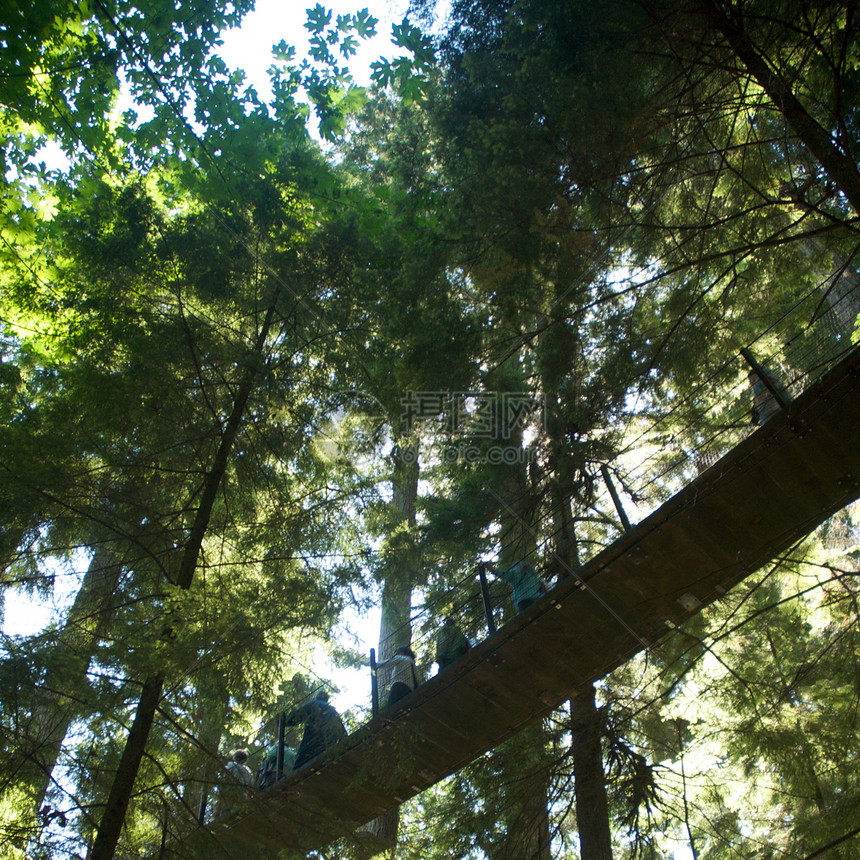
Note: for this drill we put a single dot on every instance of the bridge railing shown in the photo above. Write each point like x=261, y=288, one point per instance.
x=666, y=446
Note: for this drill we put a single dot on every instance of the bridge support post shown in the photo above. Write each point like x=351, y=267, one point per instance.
x=615, y=499
x=779, y=394
x=282, y=734
x=374, y=685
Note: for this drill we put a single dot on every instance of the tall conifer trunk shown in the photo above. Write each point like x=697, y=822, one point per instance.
x=395, y=629
x=817, y=139
x=110, y=825
x=525, y=771
x=58, y=699
x=592, y=807
x=211, y=715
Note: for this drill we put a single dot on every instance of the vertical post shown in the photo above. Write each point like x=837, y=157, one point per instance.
x=488, y=603
x=204, y=799
x=374, y=685
x=282, y=734
x=616, y=501
x=767, y=380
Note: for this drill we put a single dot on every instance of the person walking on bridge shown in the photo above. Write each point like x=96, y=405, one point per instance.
x=236, y=786
x=267, y=775
x=451, y=644
x=526, y=583
x=323, y=728
x=404, y=675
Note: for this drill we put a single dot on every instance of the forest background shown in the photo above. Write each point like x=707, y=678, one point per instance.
x=269, y=362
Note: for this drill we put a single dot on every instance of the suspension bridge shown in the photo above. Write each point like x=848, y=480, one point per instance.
x=770, y=490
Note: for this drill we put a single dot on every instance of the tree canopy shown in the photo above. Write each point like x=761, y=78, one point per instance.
x=266, y=365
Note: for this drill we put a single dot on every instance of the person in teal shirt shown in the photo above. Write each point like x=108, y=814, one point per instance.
x=525, y=581
x=267, y=775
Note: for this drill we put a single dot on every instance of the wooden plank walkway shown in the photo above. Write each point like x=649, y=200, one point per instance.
x=754, y=503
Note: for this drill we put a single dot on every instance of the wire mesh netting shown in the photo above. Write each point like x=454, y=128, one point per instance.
x=666, y=446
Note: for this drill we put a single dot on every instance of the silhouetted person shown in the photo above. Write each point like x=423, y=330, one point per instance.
x=323, y=728
x=451, y=644
x=404, y=675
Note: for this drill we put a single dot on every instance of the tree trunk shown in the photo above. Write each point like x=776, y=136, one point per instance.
x=525, y=798
x=110, y=826
x=818, y=140
x=112, y=820
x=565, y=560
x=592, y=808
x=395, y=629
x=57, y=701
x=211, y=714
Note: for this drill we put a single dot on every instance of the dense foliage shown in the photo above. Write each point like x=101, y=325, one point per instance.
x=254, y=383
